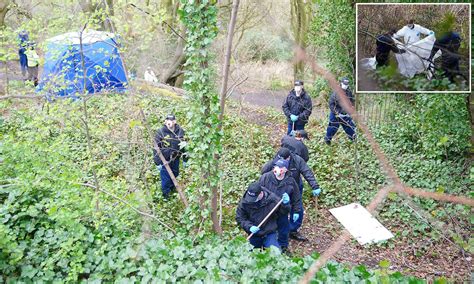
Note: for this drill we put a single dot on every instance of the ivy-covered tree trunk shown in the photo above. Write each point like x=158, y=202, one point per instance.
x=200, y=21
x=301, y=13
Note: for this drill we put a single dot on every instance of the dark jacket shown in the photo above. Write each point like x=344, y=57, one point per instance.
x=295, y=146
x=385, y=44
x=297, y=167
x=451, y=42
x=334, y=104
x=286, y=185
x=168, y=142
x=252, y=213
x=301, y=106
x=449, y=45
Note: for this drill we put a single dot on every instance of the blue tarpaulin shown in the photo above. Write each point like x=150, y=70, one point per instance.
x=69, y=56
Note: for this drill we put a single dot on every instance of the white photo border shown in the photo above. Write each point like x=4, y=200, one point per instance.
x=411, y=92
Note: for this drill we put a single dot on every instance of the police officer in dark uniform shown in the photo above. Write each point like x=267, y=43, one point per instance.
x=297, y=107
x=170, y=140
x=280, y=182
x=295, y=143
x=297, y=167
x=449, y=44
x=254, y=206
x=385, y=44
x=338, y=116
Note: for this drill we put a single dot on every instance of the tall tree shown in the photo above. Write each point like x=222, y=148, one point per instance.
x=301, y=15
x=200, y=21
x=101, y=12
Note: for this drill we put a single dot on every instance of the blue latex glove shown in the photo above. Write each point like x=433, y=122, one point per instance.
x=293, y=117
x=254, y=229
x=316, y=191
x=185, y=164
x=292, y=133
x=160, y=167
x=285, y=198
x=296, y=216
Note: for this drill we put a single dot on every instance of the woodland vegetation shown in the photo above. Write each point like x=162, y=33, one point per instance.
x=80, y=195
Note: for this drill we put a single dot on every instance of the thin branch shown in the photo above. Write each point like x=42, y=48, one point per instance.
x=129, y=205
x=235, y=85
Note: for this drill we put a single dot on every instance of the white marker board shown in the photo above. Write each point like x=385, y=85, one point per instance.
x=361, y=224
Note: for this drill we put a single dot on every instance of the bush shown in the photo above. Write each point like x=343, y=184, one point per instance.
x=262, y=46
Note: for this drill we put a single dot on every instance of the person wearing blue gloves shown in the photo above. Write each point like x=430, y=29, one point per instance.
x=254, y=206
x=338, y=116
x=280, y=182
x=297, y=107
x=295, y=143
x=297, y=167
x=170, y=140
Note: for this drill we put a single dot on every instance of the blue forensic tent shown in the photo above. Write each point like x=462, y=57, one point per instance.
x=66, y=62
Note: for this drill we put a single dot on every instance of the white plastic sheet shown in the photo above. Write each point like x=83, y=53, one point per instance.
x=361, y=224
x=411, y=62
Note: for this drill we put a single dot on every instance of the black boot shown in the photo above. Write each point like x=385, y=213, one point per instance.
x=298, y=237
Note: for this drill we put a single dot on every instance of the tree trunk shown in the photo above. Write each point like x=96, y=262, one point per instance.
x=301, y=14
x=223, y=91
x=110, y=13
x=3, y=11
x=91, y=6
x=170, y=75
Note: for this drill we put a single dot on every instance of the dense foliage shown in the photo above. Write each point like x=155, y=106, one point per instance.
x=50, y=229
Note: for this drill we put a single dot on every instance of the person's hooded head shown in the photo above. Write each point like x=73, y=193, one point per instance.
x=391, y=32
x=411, y=24
x=254, y=192
x=299, y=87
x=284, y=154
x=345, y=83
x=280, y=168
x=301, y=134
x=170, y=121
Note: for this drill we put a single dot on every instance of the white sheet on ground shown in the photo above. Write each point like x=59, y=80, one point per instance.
x=361, y=224
x=411, y=62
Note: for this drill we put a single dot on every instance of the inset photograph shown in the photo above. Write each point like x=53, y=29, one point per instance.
x=419, y=48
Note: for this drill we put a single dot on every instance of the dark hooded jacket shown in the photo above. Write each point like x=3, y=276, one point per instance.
x=286, y=185
x=295, y=146
x=301, y=106
x=334, y=104
x=449, y=44
x=250, y=213
x=297, y=167
x=385, y=44
x=168, y=142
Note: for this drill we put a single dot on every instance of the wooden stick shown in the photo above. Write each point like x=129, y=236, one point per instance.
x=266, y=217
x=165, y=163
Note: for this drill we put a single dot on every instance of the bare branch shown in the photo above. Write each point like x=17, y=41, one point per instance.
x=129, y=205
